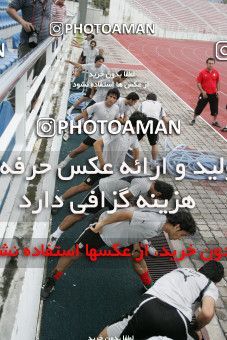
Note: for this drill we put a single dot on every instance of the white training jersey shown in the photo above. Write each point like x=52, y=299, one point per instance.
x=99, y=111
x=153, y=109
x=95, y=73
x=91, y=54
x=103, y=87
x=143, y=225
x=136, y=185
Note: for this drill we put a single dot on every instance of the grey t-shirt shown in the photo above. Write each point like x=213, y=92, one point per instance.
x=144, y=224
x=36, y=12
x=137, y=185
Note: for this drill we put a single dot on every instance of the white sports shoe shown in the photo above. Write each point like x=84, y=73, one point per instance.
x=52, y=241
x=151, y=250
x=66, y=136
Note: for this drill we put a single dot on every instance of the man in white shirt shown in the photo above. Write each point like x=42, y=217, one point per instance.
x=106, y=110
x=84, y=46
x=109, y=149
x=93, y=72
x=102, y=86
x=136, y=186
x=154, y=111
x=126, y=228
x=126, y=105
x=168, y=306
x=92, y=52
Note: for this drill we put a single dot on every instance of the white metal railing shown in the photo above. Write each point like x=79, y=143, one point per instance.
x=23, y=122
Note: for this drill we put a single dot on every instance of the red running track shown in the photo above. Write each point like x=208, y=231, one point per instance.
x=177, y=63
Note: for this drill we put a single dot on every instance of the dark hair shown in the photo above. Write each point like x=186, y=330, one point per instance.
x=132, y=96
x=113, y=91
x=122, y=74
x=137, y=115
x=208, y=59
x=99, y=57
x=213, y=270
x=92, y=35
x=93, y=41
x=151, y=96
x=184, y=218
x=165, y=189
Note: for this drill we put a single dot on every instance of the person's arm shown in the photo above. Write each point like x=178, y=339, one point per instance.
x=202, y=90
x=27, y=26
x=218, y=86
x=136, y=155
x=98, y=147
x=123, y=119
x=79, y=66
x=118, y=216
x=206, y=314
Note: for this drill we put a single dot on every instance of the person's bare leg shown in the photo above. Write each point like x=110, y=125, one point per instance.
x=140, y=267
x=65, y=262
x=154, y=152
x=103, y=335
x=81, y=148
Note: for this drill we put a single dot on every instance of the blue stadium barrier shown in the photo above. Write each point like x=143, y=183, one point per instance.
x=8, y=59
x=15, y=40
x=6, y=21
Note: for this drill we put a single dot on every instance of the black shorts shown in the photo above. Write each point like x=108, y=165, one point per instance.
x=93, y=240
x=88, y=92
x=99, y=207
x=89, y=141
x=152, y=317
x=212, y=99
x=152, y=137
x=92, y=179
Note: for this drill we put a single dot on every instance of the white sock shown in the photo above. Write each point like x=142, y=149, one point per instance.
x=67, y=159
x=57, y=233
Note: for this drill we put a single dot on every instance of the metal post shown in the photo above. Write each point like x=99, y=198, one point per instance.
x=82, y=13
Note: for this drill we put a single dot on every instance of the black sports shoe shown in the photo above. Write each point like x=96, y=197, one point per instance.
x=47, y=288
x=216, y=124
x=192, y=122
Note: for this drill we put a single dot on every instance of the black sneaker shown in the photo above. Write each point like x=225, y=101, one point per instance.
x=192, y=122
x=216, y=124
x=47, y=288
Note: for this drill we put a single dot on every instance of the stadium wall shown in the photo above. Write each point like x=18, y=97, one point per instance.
x=124, y=12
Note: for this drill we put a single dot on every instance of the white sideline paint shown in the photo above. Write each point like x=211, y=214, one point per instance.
x=29, y=310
